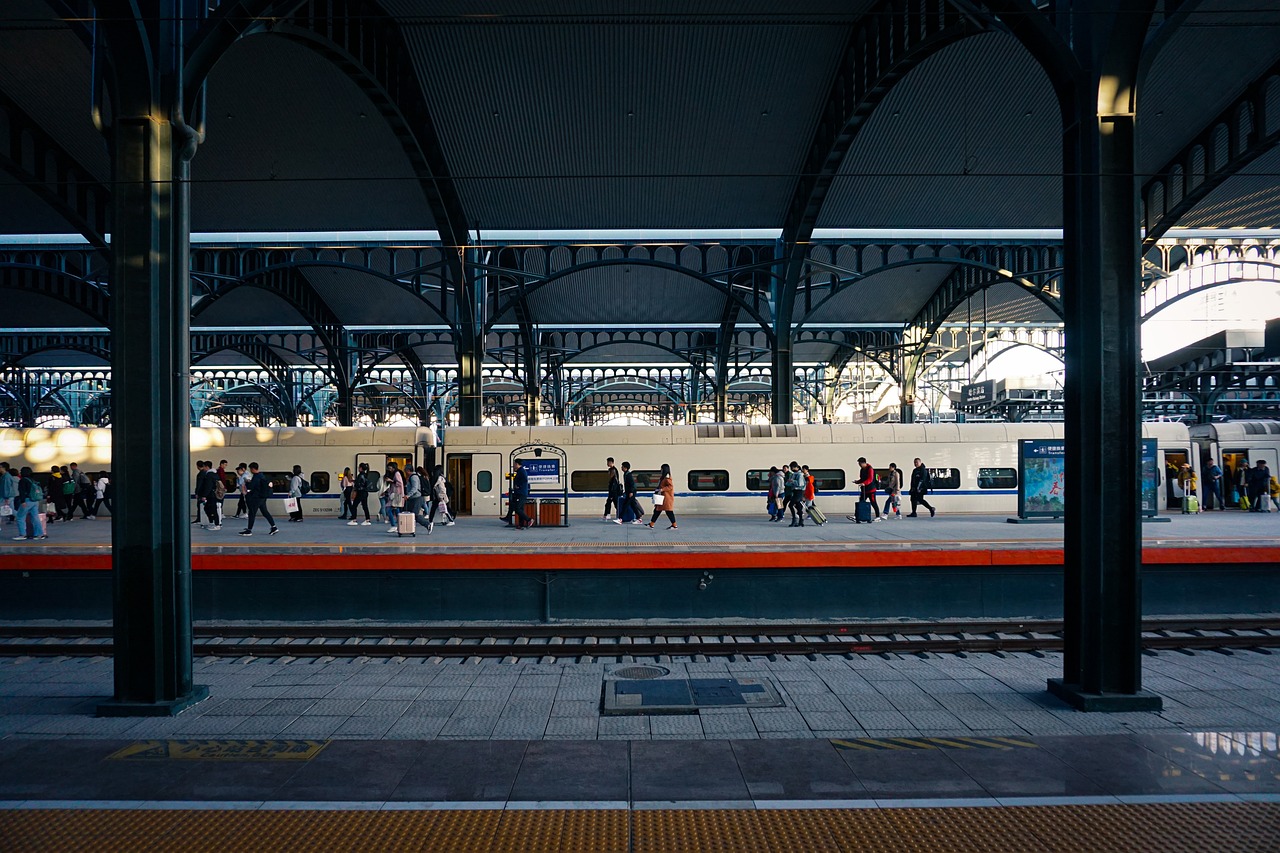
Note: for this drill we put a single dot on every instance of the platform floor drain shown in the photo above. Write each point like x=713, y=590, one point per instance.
x=640, y=673
x=686, y=696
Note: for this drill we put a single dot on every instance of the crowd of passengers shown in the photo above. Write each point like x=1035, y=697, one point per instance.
x=1251, y=488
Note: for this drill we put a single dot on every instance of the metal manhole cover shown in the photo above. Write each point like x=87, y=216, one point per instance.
x=640, y=672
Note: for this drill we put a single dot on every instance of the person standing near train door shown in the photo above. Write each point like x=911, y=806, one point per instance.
x=347, y=487
x=8, y=490
x=921, y=485
x=776, y=491
x=520, y=496
x=360, y=490
x=256, y=494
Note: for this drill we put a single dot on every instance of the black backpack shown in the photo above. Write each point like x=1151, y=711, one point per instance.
x=306, y=485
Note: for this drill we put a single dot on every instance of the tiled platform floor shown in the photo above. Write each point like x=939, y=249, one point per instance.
x=952, y=753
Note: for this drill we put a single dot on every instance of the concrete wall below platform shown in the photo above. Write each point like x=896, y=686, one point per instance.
x=931, y=593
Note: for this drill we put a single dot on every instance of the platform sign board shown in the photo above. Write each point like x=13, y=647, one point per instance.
x=1042, y=470
x=1150, y=479
x=542, y=472
x=978, y=394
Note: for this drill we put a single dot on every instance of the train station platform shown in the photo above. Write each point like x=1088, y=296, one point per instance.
x=867, y=752
x=710, y=567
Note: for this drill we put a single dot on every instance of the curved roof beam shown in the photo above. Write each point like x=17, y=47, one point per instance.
x=884, y=45
x=35, y=158
x=709, y=280
x=231, y=21
x=1234, y=139
x=215, y=282
x=600, y=386
x=968, y=279
x=286, y=282
x=64, y=287
x=365, y=41
x=1155, y=300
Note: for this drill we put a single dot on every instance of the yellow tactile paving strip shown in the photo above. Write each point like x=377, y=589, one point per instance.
x=1160, y=828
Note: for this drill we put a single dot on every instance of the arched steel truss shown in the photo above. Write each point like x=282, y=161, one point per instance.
x=329, y=372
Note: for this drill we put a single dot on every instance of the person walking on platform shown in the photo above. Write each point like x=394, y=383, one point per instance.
x=346, y=486
x=257, y=493
x=520, y=496
x=103, y=492
x=794, y=494
x=810, y=487
x=204, y=494
x=867, y=482
x=8, y=491
x=439, y=496
x=28, y=506
x=83, y=495
x=667, y=489
x=1258, y=485
x=891, y=482
x=394, y=494
x=629, y=501
x=614, y=494
x=1213, y=487
x=921, y=485
x=413, y=491
x=777, y=489
x=295, y=492
x=242, y=489
x=361, y=486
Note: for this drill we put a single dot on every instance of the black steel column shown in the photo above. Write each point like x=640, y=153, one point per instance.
x=150, y=325
x=1102, y=668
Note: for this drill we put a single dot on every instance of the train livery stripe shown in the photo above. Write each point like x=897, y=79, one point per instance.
x=429, y=558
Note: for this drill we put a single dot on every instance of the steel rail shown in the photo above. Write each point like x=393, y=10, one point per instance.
x=649, y=641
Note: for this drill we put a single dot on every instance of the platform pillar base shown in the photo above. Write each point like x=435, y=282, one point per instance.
x=1075, y=696
x=169, y=708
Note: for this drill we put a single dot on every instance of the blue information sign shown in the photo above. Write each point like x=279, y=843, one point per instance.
x=1150, y=478
x=542, y=472
x=1042, y=484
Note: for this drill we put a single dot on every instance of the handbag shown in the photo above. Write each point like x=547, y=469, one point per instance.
x=290, y=504
x=658, y=500
x=397, y=501
x=5, y=510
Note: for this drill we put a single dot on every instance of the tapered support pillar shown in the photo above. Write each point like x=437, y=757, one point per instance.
x=784, y=381
x=470, y=382
x=150, y=310
x=1102, y=667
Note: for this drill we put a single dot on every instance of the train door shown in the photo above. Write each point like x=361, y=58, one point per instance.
x=458, y=471
x=1173, y=462
x=477, y=479
x=1234, y=463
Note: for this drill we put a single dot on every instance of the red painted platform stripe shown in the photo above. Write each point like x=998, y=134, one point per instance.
x=605, y=561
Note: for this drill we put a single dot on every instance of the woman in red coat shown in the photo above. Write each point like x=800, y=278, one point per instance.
x=666, y=488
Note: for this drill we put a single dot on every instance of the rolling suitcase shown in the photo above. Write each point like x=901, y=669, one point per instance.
x=818, y=516
x=406, y=525
x=1191, y=503
x=861, y=513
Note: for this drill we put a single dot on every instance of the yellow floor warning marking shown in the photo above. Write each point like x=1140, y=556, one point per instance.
x=871, y=744
x=222, y=750
x=1159, y=828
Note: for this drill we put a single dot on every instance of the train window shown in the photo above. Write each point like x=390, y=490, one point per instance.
x=758, y=480
x=997, y=478
x=708, y=481
x=278, y=480
x=484, y=481
x=827, y=479
x=591, y=481
x=646, y=479
x=945, y=478
x=320, y=482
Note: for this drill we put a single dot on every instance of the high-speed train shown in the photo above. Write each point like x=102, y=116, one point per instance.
x=718, y=468
x=1237, y=446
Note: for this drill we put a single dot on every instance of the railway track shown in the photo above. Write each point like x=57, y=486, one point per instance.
x=592, y=642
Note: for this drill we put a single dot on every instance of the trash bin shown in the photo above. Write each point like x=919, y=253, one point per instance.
x=549, y=512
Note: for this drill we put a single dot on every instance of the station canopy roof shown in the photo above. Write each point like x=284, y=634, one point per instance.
x=677, y=114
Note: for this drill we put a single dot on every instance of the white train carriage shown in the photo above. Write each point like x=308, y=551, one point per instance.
x=323, y=452
x=719, y=468
x=1237, y=446
x=723, y=468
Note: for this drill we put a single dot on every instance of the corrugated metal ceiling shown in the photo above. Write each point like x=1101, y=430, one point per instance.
x=970, y=139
